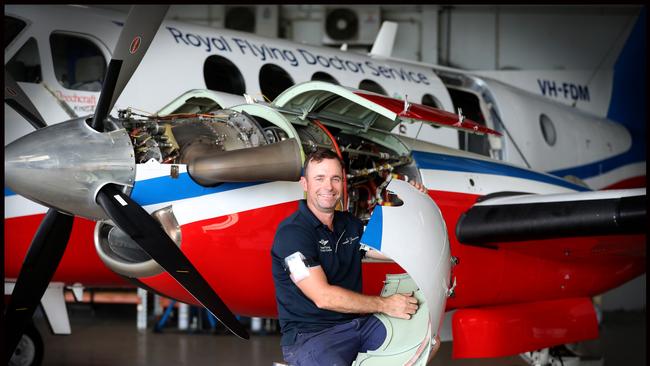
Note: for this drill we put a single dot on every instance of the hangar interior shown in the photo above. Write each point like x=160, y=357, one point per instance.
x=471, y=37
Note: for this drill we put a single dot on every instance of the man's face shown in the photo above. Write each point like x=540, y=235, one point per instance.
x=323, y=182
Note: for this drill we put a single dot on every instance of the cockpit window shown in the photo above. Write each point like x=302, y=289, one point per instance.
x=25, y=66
x=13, y=27
x=78, y=63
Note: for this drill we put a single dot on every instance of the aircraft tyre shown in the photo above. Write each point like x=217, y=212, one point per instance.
x=555, y=356
x=30, y=348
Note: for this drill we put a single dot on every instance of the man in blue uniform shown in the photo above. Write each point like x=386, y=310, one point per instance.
x=317, y=274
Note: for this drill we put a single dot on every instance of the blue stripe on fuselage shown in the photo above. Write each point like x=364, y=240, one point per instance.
x=427, y=160
x=166, y=188
x=600, y=167
x=628, y=103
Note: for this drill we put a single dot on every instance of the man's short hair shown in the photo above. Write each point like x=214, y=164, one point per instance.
x=319, y=155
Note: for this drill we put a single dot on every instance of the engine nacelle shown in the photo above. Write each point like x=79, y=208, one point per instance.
x=124, y=256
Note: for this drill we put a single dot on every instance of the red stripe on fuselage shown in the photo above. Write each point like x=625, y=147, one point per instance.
x=536, y=270
x=80, y=263
x=636, y=182
x=234, y=254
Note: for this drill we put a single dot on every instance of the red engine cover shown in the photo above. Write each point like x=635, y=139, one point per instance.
x=511, y=329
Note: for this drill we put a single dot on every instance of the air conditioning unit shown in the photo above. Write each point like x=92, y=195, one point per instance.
x=260, y=19
x=353, y=25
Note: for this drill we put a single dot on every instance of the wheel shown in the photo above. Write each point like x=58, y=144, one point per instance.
x=29, y=351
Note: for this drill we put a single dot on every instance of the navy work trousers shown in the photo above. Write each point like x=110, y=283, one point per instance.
x=337, y=345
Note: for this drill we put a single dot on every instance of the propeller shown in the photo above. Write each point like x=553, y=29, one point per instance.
x=16, y=99
x=139, y=29
x=42, y=260
x=47, y=247
x=132, y=219
x=50, y=241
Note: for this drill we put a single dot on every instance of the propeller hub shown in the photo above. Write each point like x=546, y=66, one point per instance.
x=63, y=166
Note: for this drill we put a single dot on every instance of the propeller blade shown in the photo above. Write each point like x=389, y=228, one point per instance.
x=41, y=262
x=16, y=98
x=139, y=29
x=131, y=218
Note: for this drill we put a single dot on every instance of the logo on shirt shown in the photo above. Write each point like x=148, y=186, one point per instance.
x=324, y=246
x=350, y=240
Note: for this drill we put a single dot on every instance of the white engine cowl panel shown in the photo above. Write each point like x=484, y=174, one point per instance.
x=415, y=236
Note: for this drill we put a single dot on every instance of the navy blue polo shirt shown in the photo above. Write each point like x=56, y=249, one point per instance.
x=337, y=252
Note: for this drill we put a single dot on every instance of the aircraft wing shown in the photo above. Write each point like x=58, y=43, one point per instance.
x=505, y=217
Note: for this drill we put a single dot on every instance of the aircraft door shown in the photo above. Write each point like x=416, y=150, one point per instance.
x=470, y=106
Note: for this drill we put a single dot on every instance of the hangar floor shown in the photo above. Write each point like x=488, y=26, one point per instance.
x=105, y=335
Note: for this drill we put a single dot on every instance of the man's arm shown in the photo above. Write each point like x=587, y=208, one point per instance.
x=335, y=298
x=374, y=254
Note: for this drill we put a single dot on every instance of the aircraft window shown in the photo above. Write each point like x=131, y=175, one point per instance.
x=78, y=62
x=431, y=101
x=469, y=103
x=372, y=86
x=25, y=66
x=548, y=129
x=274, y=80
x=221, y=74
x=323, y=76
x=13, y=27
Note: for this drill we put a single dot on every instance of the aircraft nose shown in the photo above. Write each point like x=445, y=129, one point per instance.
x=63, y=166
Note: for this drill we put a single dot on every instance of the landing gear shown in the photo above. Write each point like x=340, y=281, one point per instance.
x=563, y=355
x=30, y=348
x=551, y=357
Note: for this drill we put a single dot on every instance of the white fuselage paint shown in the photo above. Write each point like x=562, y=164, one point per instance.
x=583, y=137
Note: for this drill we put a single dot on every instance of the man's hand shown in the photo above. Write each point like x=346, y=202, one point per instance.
x=420, y=187
x=399, y=305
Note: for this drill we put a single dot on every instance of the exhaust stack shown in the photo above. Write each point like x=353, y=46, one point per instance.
x=208, y=165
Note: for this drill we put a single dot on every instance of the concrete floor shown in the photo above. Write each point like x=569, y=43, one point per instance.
x=106, y=335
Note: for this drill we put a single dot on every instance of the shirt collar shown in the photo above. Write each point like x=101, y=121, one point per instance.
x=312, y=219
x=307, y=214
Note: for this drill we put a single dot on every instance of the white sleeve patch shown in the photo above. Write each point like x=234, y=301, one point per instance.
x=297, y=268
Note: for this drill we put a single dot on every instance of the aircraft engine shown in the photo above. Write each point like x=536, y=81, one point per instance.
x=123, y=255
x=224, y=146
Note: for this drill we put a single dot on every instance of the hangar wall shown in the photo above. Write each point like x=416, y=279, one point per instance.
x=477, y=37
x=535, y=37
